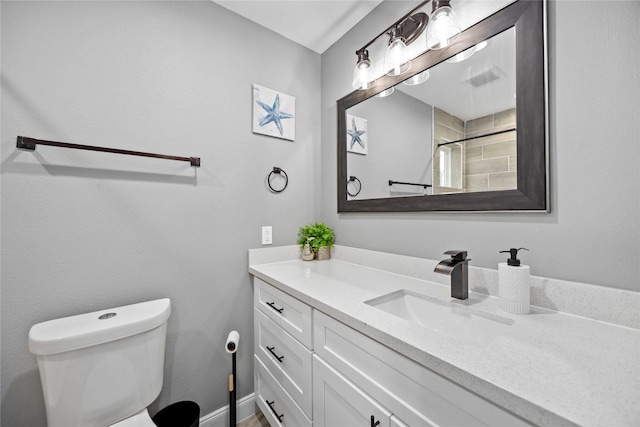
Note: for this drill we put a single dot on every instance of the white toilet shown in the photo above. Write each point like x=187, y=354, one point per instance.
x=103, y=368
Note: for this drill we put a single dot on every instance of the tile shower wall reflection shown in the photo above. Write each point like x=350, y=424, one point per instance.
x=488, y=164
x=447, y=177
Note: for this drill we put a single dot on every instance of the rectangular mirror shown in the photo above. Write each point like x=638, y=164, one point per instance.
x=471, y=137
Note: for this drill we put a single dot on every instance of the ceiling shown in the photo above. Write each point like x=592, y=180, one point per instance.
x=449, y=86
x=315, y=24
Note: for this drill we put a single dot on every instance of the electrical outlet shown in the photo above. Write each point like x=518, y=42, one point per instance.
x=267, y=235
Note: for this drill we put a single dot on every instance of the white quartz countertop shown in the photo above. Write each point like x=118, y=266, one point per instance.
x=550, y=368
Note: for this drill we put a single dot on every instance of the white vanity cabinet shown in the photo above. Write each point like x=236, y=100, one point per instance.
x=415, y=395
x=282, y=356
x=313, y=370
x=366, y=361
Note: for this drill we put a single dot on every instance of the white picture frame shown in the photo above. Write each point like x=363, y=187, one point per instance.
x=357, y=138
x=273, y=113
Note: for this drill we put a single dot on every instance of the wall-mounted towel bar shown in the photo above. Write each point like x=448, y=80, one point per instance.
x=479, y=136
x=27, y=143
x=409, y=183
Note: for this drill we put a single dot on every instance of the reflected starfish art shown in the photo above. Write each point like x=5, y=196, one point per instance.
x=273, y=114
x=355, y=134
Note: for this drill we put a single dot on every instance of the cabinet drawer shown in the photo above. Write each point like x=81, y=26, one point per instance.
x=417, y=395
x=276, y=405
x=292, y=315
x=288, y=361
x=340, y=403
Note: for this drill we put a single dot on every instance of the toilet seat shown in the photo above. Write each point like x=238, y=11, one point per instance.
x=141, y=419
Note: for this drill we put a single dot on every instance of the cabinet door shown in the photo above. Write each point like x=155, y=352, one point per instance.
x=339, y=403
x=415, y=394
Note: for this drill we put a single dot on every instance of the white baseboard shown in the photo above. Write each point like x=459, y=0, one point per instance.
x=245, y=407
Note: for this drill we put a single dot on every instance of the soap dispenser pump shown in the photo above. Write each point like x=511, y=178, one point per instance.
x=513, y=259
x=514, y=288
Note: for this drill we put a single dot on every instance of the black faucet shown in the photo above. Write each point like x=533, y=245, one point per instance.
x=458, y=268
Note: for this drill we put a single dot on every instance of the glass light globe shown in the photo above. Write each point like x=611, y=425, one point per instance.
x=395, y=59
x=443, y=28
x=362, y=75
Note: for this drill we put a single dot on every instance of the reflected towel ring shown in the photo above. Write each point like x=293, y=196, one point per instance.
x=278, y=171
x=354, y=179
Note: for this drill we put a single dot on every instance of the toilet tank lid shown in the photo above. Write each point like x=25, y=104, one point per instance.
x=98, y=327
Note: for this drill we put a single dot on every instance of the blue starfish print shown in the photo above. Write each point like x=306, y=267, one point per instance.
x=273, y=114
x=355, y=134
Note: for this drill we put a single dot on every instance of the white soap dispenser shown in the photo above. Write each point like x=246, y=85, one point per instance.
x=514, y=287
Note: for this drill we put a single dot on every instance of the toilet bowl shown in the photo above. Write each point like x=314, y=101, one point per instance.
x=102, y=368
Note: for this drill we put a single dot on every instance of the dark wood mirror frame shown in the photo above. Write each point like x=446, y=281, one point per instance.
x=528, y=18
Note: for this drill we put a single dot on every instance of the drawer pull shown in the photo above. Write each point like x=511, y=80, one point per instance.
x=274, y=354
x=272, y=305
x=279, y=417
x=374, y=423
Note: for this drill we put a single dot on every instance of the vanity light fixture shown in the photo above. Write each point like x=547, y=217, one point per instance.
x=442, y=29
x=396, y=60
x=401, y=34
x=361, y=74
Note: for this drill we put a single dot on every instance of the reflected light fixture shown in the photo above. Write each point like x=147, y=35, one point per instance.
x=465, y=54
x=468, y=53
x=444, y=27
x=386, y=92
x=417, y=79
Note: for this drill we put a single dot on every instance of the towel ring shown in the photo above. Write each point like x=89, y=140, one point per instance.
x=354, y=179
x=277, y=171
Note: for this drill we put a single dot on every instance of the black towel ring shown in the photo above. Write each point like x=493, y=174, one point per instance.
x=354, y=179
x=278, y=171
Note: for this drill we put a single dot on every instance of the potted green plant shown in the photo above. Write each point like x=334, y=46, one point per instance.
x=320, y=237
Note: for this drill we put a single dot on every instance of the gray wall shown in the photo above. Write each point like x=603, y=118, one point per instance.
x=593, y=232
x=85, y=231
x=400, y=145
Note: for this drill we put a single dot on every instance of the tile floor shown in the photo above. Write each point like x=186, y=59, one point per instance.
x=257, y=420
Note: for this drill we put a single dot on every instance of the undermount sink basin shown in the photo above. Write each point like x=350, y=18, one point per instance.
x=450, y=318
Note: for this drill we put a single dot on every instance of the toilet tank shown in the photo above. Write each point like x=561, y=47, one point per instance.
x=102, y=367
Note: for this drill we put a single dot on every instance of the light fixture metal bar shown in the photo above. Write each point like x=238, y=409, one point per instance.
x=393, y=25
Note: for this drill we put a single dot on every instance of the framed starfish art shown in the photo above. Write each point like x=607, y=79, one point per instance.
x=357, y=135
x=273, y=113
